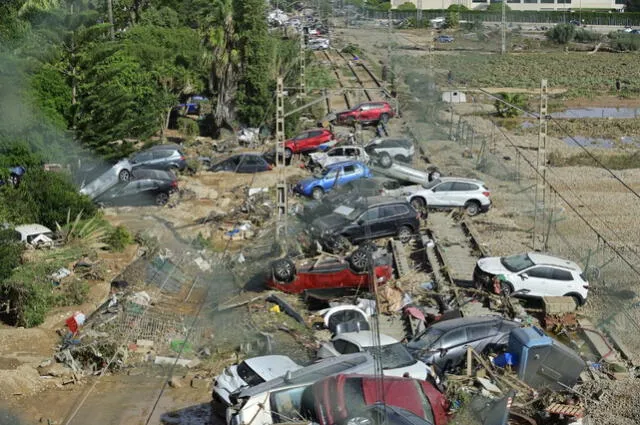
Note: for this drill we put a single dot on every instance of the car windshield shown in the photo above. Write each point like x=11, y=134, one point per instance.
x=516, y=263
x=287, y=405
x=393, y=356
x=425, y=340
x=248, y=375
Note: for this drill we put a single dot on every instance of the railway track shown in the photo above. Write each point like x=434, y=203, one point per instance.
x=342, y=101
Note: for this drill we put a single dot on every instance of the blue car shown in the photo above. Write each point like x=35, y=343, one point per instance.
x=444, y=39
x=334, y=175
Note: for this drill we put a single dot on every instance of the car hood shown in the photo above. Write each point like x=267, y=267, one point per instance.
x=417, y=370
x=228, y=381
x=328, y=223
x=318, y=157
x=492, y=265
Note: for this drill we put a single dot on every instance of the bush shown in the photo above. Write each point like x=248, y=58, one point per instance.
x=407, y=6
x=625, y=42
x=562, y=33
x=452, y=20
x=506, y=111
x=188, y=127
x=10, y=253
x=584, y=36
x=497, y=7
x=119, y=238
x=352, y=49
x=458, y=8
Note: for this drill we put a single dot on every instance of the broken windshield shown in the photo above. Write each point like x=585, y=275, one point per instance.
x=393, y=356
x=516, y=263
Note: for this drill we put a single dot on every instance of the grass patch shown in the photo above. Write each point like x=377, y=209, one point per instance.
x=583, y=75
x=614, y=161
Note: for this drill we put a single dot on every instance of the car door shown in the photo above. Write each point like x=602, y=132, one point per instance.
x=561, y=282
x=479, y=336
x=159, y=159
x=302, y=141
x=146, y=191
x=453, y=343
x=535, y=279
x=439, y=196
x=349, y=173
x=129, y=193
x=330, y=179
x=366, y=226
x=314, y=140
x=142, y=159
x=388, y=220
x=460, y=193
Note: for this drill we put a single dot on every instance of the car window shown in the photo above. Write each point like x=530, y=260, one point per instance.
x=162, y=153
x=444, y=187
x=331, y=174
x=351, y=152
x=252, y=160
x=393, y=210
x=143, y=156
x=425, y=340
x=336, y=152
x=541, y=272
x=349, y=169
x=315, y=133
x=516, y=263
x=479, y=332
x=464, y=187
x=454, y=338
x=346, y=347
x=562, y=275
x=301, y=136
x=392, y=356
x=391, y=185
x=371, y=214
x=286, y=404
x=248, y=375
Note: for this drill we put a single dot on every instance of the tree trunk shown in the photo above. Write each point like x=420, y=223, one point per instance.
x=227, y=87
x=110, y=13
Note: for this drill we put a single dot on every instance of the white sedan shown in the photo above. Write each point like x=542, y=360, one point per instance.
x=339, y=154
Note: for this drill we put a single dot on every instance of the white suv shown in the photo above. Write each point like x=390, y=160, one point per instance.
x=452, y=192
x=539, y=274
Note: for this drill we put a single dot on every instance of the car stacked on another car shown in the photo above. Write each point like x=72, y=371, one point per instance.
x=385, y=150
x=242, y=163
x=452, y=192
x=536, y=273
x=144, y=187
x=339, y=154
x=309, y=141
x=367, y=219
x=333, y=176
x=167, y=157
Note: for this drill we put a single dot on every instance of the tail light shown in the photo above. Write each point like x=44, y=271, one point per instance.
x=174, y=183
x=585, y=286
x=269, y=167
x=486, y=194
x=182, y=158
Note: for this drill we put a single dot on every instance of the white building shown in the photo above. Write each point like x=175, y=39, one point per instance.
x=535, y=5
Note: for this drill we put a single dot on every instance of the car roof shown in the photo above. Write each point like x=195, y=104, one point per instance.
x=165, y=146
x=346, y=147
x=32, y=229
x=147, y=173
x=447, y=325
x=461, y=180
x=343, y=163
x=269, y=367
x=365, y=338
x=382, y=200
x=545, y=259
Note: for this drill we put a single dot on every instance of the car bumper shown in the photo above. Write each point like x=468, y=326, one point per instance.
x=485, y=208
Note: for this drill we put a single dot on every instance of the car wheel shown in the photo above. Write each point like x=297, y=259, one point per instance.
x=124, y=176
x=337, y=244
x=284, y=270
x=288, y=153
x=162, y=199
x=434, y=175
x=401, y=158
x=351, y=120
x=359, y=260
x=385, y=160
x=384, y=118
x=405, y=234
x=472, y=208
x=418, y=203
x=506, y=288
x=317, y=193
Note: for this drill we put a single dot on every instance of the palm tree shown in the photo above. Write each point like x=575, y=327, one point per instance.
x=503, y=107
x=222, y=58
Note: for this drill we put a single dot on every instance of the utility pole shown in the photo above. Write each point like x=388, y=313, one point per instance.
x=303, y=61
x=389, y=40
x=541, y=160
x=110, y=16
x=281, y=205
x=419, y=14
x=503, y=27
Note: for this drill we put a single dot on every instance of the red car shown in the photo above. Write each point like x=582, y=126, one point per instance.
x=340, y=397
x=307, y=141
x=368, y=112
x=327, y=273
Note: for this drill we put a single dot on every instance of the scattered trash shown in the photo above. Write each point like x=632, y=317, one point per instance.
x=141, y=298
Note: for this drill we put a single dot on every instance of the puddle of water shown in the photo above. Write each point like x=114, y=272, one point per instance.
x=598, y=113
x=589, y=142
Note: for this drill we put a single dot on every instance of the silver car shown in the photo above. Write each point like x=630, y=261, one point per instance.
x=121, y=171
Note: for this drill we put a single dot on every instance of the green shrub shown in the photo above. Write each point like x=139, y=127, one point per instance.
x=562, y=33
x=504, y=110
x=119, y=238
x=407, y=6
x=625, y=42
x=452, y=20
x=458, y=8
x=10, y=253
x=352, y=49
x=188, y=127
x=497, y=7
x=74, y=292
x=584, y=36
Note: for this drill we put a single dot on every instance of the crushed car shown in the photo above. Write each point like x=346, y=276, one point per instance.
x=385, y=150
x=334, y=175
x=366, y=113
x=330, y=272
x=144, y=187
x=338, y=154
x=35, y=235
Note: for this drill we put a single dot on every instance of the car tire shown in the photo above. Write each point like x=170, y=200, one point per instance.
x=284, y=270
x=317, y=193
x=359, y=259
x=288, y=153
x=124, y=176
x=161, y=199
x=384, y=118
x=435, y=174
x=337, y=244
x=405, y=233
x=472, y=208
x=418, y=203
x=351, y=121
x=577, y=299
x=385, y=160
x=506, y=289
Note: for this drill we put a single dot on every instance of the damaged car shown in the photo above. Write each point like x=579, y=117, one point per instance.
x=386, y=150
x=330, y=272
x=333, y=176
x=367, y=219
x=338, y=154
x=249, y=373
x=452, y=192
x=145, y=187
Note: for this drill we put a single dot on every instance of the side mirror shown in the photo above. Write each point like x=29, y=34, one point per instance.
x=524, y=276
x=360, y=222
x=443, y=352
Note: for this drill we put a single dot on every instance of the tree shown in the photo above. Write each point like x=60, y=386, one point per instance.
x=452, y=20
x=458, y=8
x=407, y=6
x=562, y=33
x=504, y=109
x=497, y=7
